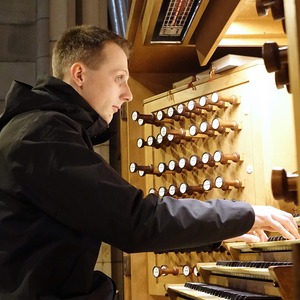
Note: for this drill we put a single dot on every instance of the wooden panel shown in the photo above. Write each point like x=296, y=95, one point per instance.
x=262, y=105
x=129, y=149
x=218, y=23
x=266, y=115
x=250, y=30
x=213, y=25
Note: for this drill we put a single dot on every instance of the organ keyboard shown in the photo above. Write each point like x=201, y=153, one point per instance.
x=202, y=291
x=267, y=275
x=273, y=244
x=245, y=269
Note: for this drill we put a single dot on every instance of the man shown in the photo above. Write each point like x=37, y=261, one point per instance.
x=59, y=199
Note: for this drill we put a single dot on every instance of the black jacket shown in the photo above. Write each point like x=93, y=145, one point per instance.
x=59, y=200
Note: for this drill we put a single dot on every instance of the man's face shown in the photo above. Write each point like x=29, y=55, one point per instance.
x=106, y=89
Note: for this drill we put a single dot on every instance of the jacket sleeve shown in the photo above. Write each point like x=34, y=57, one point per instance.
x=53, y=168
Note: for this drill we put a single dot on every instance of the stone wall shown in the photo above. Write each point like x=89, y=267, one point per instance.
x=18, y=20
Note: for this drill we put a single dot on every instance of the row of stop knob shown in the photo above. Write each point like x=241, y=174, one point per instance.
x=188, y=164
x=193, y=108
x=207, y=185
x=169, y=136
x=164, y=270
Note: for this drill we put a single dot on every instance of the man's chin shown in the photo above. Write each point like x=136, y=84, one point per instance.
x=107, y=119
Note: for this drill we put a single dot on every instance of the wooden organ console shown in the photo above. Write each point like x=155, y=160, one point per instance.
x=232, y=156
x=230, y=135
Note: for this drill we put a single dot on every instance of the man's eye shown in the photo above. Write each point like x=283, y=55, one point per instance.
x=120, y=78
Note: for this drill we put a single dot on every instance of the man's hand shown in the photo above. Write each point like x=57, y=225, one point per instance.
x=268, y=218
x=271, y=219
x=250, y=237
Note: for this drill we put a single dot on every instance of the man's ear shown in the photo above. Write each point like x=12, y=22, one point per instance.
x=76, y=72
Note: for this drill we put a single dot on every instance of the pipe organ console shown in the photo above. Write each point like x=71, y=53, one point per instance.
x=229, y=137
x=231, y=132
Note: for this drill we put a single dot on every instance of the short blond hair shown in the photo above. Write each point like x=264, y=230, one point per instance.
x=82, y=44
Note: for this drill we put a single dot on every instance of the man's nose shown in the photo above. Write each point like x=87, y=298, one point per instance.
x=128, y=94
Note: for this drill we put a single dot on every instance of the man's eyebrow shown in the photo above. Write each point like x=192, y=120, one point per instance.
x=117, y=70
x=121, y=70
x=126, y=71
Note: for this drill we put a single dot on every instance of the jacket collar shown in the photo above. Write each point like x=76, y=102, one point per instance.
x=51, y=93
